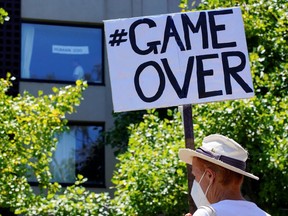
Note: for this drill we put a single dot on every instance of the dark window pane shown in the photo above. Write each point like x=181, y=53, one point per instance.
x=78, y=152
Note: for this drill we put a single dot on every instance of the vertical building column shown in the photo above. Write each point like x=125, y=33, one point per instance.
x=10, y=43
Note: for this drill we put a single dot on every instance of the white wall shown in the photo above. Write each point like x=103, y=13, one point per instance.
x=94, y=11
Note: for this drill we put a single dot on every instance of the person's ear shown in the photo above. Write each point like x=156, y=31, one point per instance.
x=211, y=175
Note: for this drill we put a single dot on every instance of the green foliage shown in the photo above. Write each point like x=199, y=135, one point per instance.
x=118, y=136
x=75, y=200
x=3, y=16
x=28, y=125
x=150, y=180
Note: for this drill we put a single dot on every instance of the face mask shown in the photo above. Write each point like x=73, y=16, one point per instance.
x=198, y=195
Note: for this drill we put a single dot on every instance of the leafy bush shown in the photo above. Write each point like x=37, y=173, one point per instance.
x=74, y=200
x=150, y=179
x=28, y=125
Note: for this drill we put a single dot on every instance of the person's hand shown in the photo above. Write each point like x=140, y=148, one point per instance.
x=188, y=214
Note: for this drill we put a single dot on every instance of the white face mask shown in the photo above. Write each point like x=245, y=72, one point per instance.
x=198, y=195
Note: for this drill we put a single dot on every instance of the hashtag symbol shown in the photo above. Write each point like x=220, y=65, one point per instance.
x=117, y=37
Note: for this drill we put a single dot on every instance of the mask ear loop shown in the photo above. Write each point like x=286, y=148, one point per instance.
x=208, y=189
x=208, y=185
x=202, y=177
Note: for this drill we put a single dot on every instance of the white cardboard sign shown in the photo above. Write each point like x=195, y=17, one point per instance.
x=175, y=59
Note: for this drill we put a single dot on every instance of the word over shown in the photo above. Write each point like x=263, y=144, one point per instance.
x=228, y=70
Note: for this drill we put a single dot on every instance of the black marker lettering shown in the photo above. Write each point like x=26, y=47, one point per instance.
x=201, y=73
x=171, y=31
x=233, y=71
x=215, y=28
x=201, y=23
x=181, y=92
x=161, y=84
x=152, y=46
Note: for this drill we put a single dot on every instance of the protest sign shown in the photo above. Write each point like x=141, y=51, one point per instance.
x=175, y=59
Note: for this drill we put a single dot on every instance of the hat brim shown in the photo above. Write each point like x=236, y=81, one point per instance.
x=187, y=155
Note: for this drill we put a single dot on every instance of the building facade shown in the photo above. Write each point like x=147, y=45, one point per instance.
x=53, y=43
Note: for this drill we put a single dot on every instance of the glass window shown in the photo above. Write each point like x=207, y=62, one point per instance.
x=61, y=53
x=78, y=152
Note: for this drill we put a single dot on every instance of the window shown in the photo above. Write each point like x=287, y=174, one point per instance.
x=61, y=53
x=79, y=152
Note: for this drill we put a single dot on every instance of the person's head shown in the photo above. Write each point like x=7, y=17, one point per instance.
x=216, y=181
x=218, y=166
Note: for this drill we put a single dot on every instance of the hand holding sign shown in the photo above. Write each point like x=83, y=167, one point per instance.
x=177, y=59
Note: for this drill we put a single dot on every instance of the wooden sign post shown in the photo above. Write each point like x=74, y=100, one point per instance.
x=189, y=143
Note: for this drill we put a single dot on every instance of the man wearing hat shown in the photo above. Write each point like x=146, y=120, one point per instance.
x=219, y=169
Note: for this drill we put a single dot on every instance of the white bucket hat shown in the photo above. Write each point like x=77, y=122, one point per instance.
x=222, y=151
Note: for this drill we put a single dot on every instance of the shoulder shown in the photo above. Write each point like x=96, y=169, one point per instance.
x=241, y=207
x=204, y=211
